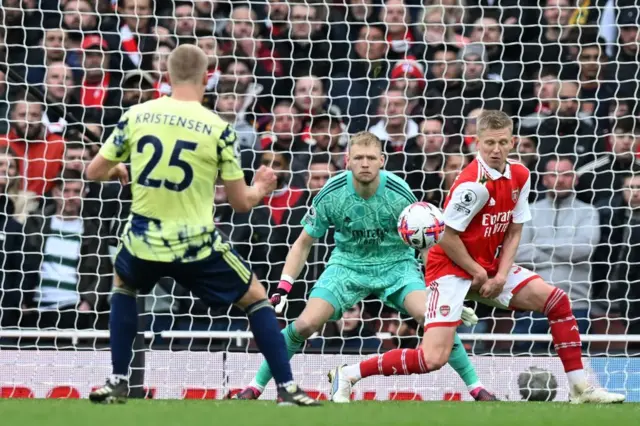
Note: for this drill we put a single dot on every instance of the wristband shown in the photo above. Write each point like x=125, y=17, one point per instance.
x=286, y=283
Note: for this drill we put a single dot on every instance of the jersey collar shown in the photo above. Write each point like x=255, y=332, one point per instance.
x=493, y=173
x=379, y=191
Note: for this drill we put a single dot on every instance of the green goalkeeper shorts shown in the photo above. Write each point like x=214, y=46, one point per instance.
x=344, y=287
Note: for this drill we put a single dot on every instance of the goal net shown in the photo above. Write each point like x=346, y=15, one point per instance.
x=296, y=79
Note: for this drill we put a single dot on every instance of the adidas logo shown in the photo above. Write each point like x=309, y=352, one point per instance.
x=492, y=202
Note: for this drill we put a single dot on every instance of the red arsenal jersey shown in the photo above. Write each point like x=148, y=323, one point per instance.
x=481, y=204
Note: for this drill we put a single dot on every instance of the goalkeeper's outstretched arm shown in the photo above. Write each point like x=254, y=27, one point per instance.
x=296, y=259
x=298, y=255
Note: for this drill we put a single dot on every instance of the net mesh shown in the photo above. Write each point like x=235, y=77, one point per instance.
x=296, y=79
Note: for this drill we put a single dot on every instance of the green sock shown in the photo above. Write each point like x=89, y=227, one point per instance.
x=459, y=361
x=294, y=341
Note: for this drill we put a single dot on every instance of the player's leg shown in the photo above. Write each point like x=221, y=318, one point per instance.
x=444, y=305
x=324, y=304
x=414, y=303
x=132, y=275
x=225, y=278
x=315, y=314
x=526, y=291
x=408, y=294
x=529, y=292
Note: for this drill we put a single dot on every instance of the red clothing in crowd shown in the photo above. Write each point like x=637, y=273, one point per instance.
x=282, y=200
x=40, y=161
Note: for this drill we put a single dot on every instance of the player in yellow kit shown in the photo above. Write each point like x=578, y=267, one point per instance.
x=177, y=148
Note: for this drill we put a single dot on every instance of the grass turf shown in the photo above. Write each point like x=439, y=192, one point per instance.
x=245, y=413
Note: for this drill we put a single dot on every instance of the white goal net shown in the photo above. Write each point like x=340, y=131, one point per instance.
x=296, y=79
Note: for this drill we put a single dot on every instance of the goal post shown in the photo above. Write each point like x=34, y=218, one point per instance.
x=296, y=80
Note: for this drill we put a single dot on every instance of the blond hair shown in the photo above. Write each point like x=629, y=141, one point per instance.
x=446, y=20
x=365, y=139
x=491, y=119
x=187, y=64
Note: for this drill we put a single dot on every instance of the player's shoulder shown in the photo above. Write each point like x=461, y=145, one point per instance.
x=519, y=170
x=470, y=192
x=472, y=172
x=395, y=185
x=393, y=178
x=333, y=186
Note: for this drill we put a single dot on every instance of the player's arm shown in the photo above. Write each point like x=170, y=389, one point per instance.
x=466, y=201
x=242, y=197
x=315, y=224
x=106, y=165
x=510, y=243
x=296, y=258
x=521, y=215
x=101, y=169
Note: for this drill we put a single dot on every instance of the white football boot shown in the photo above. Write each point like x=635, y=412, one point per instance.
x=594, y=395
x=340, y=386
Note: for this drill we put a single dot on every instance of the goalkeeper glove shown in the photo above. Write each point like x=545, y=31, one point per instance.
x=279, y=299
x=469, y=317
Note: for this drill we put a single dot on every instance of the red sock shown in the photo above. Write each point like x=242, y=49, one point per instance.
x=401, y=362
x=564, y=330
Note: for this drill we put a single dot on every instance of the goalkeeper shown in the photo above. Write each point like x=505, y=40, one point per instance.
x=363, y=205
x=177, y=147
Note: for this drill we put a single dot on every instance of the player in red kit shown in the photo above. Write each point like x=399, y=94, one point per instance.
x=484, y=214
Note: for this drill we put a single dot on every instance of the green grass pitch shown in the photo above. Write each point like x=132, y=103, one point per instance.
x=262, y=413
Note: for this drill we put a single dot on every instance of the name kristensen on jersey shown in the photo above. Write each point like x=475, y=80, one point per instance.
x=174, y=120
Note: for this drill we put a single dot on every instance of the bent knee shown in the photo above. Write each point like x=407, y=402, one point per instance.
x=119, y=286
x=307, y=326
x=435, y=359
x=255, y=293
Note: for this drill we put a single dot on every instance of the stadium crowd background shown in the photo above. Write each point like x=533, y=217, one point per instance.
x=296, y=78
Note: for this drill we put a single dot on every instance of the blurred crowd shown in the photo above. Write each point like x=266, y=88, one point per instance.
x=296, y=78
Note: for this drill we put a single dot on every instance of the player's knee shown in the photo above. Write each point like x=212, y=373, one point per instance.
x=435, y=358
x=256, y=306
x=307, y=326
x=119, y=286
x=255, y=293
x=557, y=304
x=117, y=281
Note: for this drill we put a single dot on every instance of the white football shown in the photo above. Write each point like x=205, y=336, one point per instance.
x=421, y=225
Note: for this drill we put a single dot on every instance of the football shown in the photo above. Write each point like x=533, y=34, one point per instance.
x=421, y=225
x=537, y=384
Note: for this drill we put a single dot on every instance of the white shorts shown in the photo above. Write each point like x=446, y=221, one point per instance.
x=446, y=295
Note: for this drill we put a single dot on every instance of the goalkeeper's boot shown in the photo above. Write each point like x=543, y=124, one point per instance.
x=594, y=395
x=248, y=393
x=340, y=386
x=112, y=392
x=481, y=394
x=293, y=395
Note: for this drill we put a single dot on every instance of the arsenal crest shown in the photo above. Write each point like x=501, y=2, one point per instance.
x=444, y=310
x=515, y=194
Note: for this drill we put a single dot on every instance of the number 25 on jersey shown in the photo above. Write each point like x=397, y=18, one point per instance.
x=174, y=161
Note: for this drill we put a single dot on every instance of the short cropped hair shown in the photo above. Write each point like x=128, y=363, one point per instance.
x=320, y=158
x=187, y=64
x=492, y=119
x=627, y=125
x=560, y=157
x=365, y=139
x=68, y=175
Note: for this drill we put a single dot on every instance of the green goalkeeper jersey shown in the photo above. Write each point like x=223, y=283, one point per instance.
x=366, y=230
